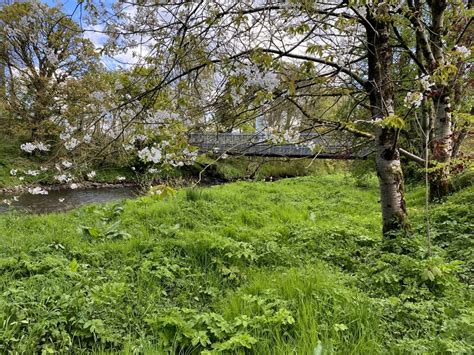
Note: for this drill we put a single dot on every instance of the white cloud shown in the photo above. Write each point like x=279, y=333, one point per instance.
x=96, y=35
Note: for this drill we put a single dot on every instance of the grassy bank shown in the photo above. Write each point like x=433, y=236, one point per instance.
x=295, y=266
x=259, y=168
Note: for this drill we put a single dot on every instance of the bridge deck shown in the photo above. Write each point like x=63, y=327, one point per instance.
x=251, y=144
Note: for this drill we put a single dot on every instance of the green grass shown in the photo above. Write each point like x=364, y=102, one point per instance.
x=259, y=168
x=291, y=267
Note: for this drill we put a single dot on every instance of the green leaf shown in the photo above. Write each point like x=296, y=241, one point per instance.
x=73, y=265
x=392, y=121
x=291, y=87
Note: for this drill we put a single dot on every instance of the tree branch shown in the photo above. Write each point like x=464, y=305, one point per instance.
x=412, y=157
x=339, y=67
x=338, y=125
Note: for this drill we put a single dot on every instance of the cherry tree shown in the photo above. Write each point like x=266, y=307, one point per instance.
x=42, y=50
x=441, y=35
x=341, y=47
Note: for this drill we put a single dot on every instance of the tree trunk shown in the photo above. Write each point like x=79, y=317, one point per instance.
x=380, y=90
x=442, y=145
x=389, y=171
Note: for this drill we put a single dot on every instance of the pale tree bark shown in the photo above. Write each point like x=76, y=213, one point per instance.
x=441, y=146
x=381, y=93
x=443, y=135
x=442, y=143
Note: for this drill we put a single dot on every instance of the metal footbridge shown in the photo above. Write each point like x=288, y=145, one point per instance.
x=327, y=146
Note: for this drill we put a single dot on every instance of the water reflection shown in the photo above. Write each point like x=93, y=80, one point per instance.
x=62, y=200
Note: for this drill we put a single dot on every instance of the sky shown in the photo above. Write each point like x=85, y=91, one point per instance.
x=70, y=7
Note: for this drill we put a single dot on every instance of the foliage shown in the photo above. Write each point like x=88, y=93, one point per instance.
x=45, y=57
x=295, y=266
x=259, y=168
x=363, y=171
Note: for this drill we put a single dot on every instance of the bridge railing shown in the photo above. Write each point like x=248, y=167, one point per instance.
x=336, y=146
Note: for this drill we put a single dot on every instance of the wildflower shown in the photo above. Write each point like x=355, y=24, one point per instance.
x=67, y=164
x=91, y=175
x=121, y=178
x=13, y=172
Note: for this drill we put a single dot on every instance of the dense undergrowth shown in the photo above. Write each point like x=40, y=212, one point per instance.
x=294, y=266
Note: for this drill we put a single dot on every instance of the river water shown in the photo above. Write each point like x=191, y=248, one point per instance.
x=63, y=200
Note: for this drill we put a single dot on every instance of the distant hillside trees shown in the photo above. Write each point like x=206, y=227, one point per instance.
x=45, y=56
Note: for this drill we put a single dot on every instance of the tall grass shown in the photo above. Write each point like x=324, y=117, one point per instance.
x=291, y=267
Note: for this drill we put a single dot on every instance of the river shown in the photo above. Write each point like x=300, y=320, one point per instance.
x=63, y=200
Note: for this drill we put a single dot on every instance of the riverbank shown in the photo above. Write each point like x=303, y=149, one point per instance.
x=58, y=187
x=204, y=173
x=262, y=268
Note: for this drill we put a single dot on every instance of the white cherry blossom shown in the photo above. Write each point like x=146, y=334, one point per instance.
x=37, y=191
x=32, y=172
x=71, y=144
x=413, y=99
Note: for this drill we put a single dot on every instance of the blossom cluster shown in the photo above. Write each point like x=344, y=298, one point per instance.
x=267, y=80
x=150, y=155
x=67, y=132
x=37, y=191
x=413, y=99
x=63, y=178
x=276, y=136
x=425, y=83
x=157, y=155
x=30, y=147
x=463, y=51
x=71, y=143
